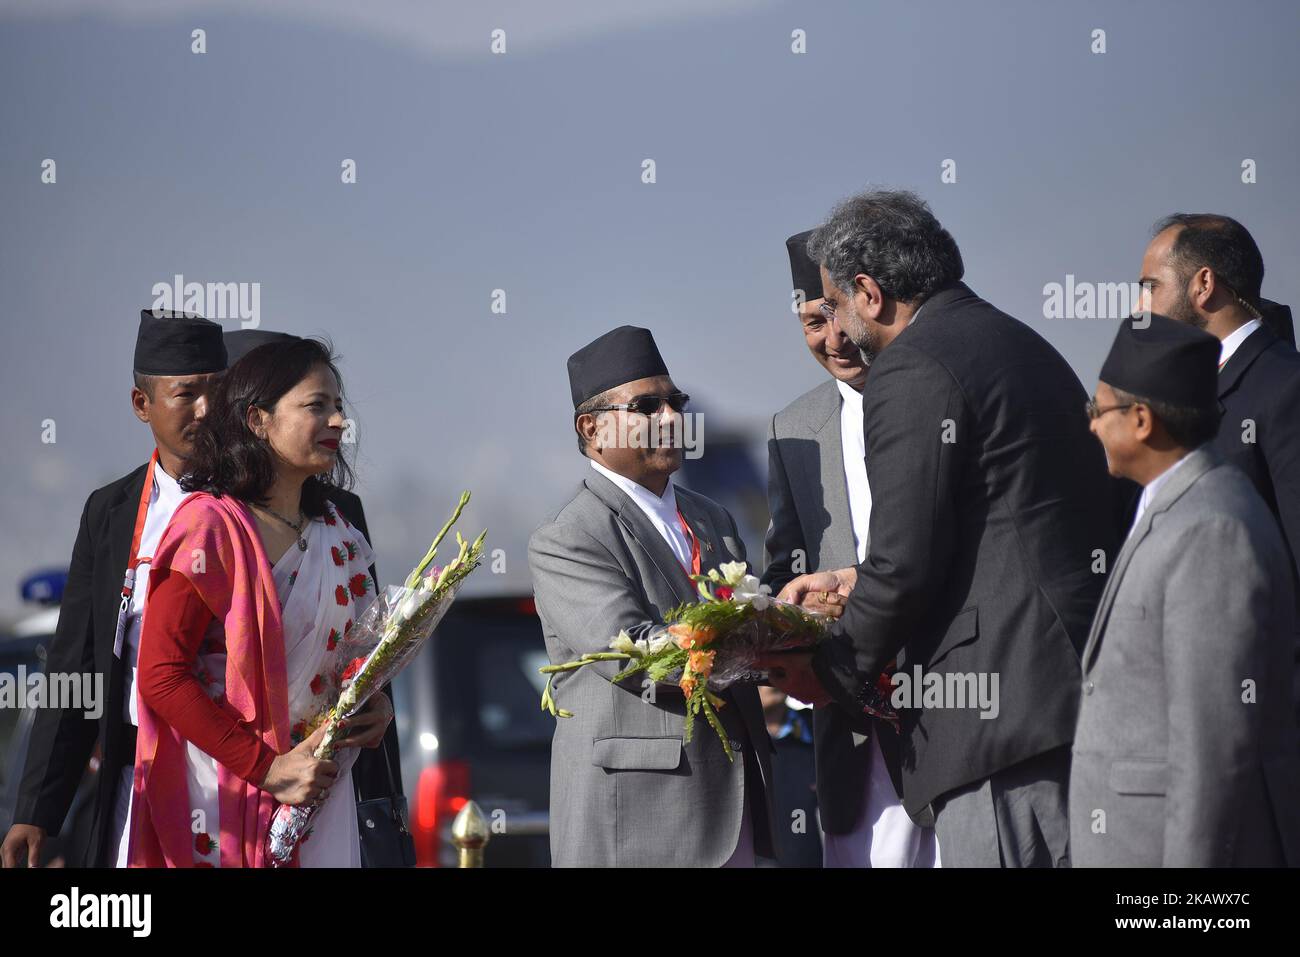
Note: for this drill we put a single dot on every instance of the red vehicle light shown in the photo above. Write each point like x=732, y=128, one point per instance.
x=443, y=789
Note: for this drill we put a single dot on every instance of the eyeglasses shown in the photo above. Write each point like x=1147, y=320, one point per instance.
x=648, y=404
x=1096, y=412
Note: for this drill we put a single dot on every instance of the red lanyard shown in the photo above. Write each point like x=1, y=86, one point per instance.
x=141, y=512
x=134, y=560
x=695, y=544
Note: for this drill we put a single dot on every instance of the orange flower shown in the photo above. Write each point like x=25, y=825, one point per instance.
x=701, y=663
x=689, y=638
x=687, y=684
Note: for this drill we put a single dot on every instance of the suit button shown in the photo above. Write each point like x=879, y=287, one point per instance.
x=1087, y=687
x=735, y=745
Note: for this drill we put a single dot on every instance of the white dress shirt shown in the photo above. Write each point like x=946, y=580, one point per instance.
x=166, y=495
x=1234, y=340
x=853, y=444
x=660, y=509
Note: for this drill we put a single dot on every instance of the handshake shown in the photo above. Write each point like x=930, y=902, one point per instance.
x=792, y=672
x=823, y=592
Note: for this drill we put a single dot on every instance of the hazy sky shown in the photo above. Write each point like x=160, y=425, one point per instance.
x=522, y=172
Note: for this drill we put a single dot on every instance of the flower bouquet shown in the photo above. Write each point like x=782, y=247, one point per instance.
x=709, y=645
x=385, y=639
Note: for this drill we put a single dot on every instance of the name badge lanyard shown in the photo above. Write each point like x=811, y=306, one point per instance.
x=135, y=560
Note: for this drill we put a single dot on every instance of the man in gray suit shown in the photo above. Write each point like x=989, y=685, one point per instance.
x=626, y=789
x=820, y=505
x=1185, y=753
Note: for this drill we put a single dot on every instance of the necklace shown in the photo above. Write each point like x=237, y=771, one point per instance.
x=296, y=526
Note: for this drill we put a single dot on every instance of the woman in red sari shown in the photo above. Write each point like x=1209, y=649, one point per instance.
x=253, y=584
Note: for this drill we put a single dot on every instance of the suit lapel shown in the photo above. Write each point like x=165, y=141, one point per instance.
x=646, y=535
x=711, y=550
x=835, y=481
x=829, y=481
x=661, y=556
x=712, y=554
x=1250, y=350
x=1196, y=465
x=117, y=552
x=121, y=528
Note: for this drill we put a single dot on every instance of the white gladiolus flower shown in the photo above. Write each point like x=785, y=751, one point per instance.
x=733, y=573
x=754, y=592
x=410, y=605
x=659, y=644
x=623, y=644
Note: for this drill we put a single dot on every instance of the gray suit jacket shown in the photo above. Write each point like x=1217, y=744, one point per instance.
x=1171, y=767
x=626, y=788
x=808, y=501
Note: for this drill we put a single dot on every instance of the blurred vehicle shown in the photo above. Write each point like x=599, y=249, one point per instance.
x=471, y=727
x=25, y=646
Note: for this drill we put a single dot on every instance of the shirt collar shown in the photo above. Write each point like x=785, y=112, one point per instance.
x=164, y=483
x=1234, y=340
x=664, y=505
x=1153, y=488
x=851, y=396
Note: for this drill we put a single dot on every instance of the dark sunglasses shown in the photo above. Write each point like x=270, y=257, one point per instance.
x=648, y=404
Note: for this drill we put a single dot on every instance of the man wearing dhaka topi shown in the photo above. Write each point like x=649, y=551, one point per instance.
x=626, y=789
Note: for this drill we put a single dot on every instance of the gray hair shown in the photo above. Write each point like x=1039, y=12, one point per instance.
x=892, y=236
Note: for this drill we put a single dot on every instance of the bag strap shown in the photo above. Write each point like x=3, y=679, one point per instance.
x=393, y=792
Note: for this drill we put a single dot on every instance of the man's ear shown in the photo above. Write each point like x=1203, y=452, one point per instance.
x=585, y=426
x=869, y=288
x=1203, y=286
x=140, y=403
x=1145, y=423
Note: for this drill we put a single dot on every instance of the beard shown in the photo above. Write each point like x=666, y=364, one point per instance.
x=861, y=334
x=1182, y=310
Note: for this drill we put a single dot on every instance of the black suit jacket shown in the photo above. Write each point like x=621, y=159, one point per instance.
x=1259, y=393
x=983, y=561
x=62, y=741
